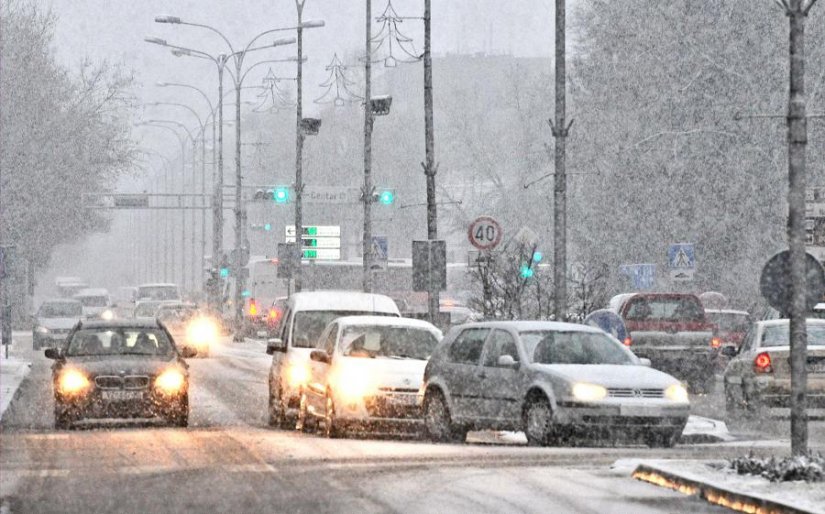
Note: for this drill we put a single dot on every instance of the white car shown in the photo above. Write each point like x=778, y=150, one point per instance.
x=367, y=374
x=96, y=303
x=306, y=315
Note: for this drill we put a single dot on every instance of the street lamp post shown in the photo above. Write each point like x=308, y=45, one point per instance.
x=368, y=123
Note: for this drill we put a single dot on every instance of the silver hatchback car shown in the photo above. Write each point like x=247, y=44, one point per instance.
x=552, y=380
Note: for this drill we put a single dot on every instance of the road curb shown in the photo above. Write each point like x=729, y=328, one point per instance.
x=725, y=497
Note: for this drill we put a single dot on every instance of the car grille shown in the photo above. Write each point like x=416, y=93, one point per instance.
x=627, y=392
x=387, y=406
x=126, y=382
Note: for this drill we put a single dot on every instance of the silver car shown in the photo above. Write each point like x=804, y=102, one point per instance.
x=552, y=380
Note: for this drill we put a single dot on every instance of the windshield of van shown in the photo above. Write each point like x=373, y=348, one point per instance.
x=308, y=325
x=60, y=310
x=158, y=293
x=94, y=301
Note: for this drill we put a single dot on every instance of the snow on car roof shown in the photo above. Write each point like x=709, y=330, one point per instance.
x=727, y=311
x=159, y=284
x=785, y=321
x=385, y=321
x=92, y=291
x=342, y=301
x=60, y=300
x=524, y=326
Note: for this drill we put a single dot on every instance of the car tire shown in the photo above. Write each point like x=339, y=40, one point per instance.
x=438, y=422
x=180, y=416
x=538, y=419
x=332, y=427
x=305, y=423
x=277, y=413
x=63, y=418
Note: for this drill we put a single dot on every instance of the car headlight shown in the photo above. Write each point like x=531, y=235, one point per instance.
x=298, y=374
x=73, y=381
x=41, y=330
x=202, y=331
x=588, y=392
x=170, y=381
x=353, y=384
x=107, y=315
x=677, y=393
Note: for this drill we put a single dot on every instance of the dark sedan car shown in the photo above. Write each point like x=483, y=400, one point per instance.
x=120, y=369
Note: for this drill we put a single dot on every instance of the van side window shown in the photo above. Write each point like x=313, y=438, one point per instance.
x=466, y=349
x=329, y=343
x=286, y=323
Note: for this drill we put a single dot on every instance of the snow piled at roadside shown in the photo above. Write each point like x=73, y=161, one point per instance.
x=12, y=373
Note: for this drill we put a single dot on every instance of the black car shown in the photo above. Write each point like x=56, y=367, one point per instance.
x=120, y=369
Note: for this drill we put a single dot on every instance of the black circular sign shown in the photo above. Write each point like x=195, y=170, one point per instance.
x=775, y=282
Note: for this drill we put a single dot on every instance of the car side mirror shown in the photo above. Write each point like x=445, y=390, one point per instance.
x=188, y=352
x=507, y=361
x=53, y=353
x=644, y=362
x=275, y=345
x=730, y=351
x=320, y=356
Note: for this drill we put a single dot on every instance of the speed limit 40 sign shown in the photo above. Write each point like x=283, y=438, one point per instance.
x=484, y=233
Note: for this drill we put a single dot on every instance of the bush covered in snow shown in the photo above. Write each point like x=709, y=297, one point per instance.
x=810, y=468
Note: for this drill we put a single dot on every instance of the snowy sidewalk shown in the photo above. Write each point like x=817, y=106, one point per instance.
x=12, y=372
x=715, y=482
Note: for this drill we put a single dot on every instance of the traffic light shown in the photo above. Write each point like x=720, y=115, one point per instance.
x=267, y=227
x=224, y=271
x=385, y=196
x=280, y=194
x=537, y=256
x=526, y=271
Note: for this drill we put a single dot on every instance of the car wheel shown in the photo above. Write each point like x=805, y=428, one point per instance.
x=63, y=418
x=180, y=416
x=438, y=422
x=665, y=439
x=538, y=417
x=304, y=423
x=332, y=428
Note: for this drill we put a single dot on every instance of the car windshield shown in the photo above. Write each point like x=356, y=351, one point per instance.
x=177, y=314
x=778, y=335
x=60, y=310
x=556, y=347
x=93, y=301
x=118, y=341
x=159, y=292
x=308, y=325
x=388, y=342
x=729, y=321
x=665, y=309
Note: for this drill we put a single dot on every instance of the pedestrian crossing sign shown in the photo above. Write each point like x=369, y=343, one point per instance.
x=681, y=259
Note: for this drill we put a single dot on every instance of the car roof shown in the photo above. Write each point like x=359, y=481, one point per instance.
x=59, y=300
x=785, y=321
x=175, y=305
x=121, y=323
x=728, y=311
x=346, y=321
x=527, y=326
x=342, y=301
x=92, y=291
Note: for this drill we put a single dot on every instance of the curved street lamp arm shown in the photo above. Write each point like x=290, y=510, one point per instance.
x=173, y=122
x=270, y=31
x=178, y=84
x=175, y=104
x=213, y=29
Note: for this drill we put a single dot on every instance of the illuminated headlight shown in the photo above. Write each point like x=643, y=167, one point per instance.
x=353, y=385
x=107, y=315
x=42, y=330
x=588, y=392
x=170, y=381
x=73, y=381
x=298, y=374
x=202, y=332
x=677, y=393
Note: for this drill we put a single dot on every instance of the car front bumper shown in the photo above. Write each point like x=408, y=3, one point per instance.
x=148, y=404
x=621, y=419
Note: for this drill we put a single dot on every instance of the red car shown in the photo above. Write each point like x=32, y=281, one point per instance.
x=672, y=330
x=731, y=325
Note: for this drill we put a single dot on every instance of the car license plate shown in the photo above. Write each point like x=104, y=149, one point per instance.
x=816, y=367
x=407, y=399
x=640, y=410
x=121, y=396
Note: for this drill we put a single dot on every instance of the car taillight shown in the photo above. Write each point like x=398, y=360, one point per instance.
x=715, y=342
x=627, y=341
x=762, y=363
x=274, y=314
x=253, y=308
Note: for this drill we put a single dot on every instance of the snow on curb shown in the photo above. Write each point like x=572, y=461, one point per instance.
x=714, y=482
x=12, y=373
x=705, y=430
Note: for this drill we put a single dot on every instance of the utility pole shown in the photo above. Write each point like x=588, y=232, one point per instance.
x=560, y=130
x=797, y=11
x=430, y=167
x=299, y=149
x=217, y=200
x=368, y=121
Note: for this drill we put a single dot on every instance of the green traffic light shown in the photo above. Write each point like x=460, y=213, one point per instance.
x=224, y=272
x=281, y=195
x=268, y=227
x=386, y=197
x=526, y=271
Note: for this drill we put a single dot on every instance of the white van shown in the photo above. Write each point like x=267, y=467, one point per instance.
x=307, y=314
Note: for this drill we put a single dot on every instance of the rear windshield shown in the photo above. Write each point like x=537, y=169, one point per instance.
x=729, y=321
x=779, y=335
x=158, y=293
x=176, y=314
x=666, y=309
x=94, y=301
x=146, y=310
x=554, y=347
x=119, y=341
x=388, y=342
x=60, y=310
x=308, y=325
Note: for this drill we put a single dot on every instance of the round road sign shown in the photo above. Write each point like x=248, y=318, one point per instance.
x=484, y=233
x=775, y=282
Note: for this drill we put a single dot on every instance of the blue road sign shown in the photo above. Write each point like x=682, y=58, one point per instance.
x=608, y=321
x=642, y=276
x=681, y=259
x=380, y=252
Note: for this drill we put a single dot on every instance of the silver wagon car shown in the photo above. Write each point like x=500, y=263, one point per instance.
x=551, y=380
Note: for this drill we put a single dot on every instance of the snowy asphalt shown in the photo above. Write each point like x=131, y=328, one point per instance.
x=229, y=460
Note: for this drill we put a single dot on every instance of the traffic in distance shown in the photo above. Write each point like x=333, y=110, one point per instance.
x=347, y=362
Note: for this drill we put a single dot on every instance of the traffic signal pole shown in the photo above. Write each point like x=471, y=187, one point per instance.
x=299, y=146
x=368, y=122
x=430, y=167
